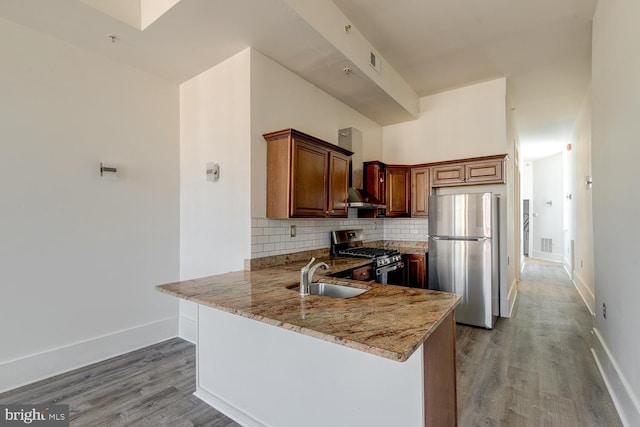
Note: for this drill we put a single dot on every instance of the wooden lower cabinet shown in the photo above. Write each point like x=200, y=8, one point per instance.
x=440, y=393
x=415, y=270
x=363, y=273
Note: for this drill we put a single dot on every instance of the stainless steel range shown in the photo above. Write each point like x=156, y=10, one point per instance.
x=387, y=264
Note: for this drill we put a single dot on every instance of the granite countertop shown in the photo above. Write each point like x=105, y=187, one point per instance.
x=405, y=247
x=388, y=321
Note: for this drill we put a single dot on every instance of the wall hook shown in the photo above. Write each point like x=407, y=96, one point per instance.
x=108, y=171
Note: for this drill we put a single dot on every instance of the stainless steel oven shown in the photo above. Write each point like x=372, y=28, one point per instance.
x=392, y=274
x=386, y=263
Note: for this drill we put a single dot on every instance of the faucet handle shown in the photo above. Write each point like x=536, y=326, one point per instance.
x=306, y=267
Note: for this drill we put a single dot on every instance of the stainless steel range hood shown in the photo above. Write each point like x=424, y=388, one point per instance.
x=363, y=200
x=351, y=139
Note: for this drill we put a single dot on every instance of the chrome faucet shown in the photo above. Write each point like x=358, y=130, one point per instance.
x=306, y=275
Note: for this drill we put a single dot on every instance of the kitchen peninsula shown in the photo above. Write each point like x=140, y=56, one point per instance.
x=269, y=357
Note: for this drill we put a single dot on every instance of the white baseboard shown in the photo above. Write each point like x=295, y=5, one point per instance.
x=188, y=329
x=226, y=408
x=35, y=367
x=567, y=266
x=587, y=296
x=507, y=304
x=623, y=398
x=546, y=256
x=513, y=294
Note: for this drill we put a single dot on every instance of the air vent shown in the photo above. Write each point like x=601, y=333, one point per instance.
x=546, y=245
x=374, y=60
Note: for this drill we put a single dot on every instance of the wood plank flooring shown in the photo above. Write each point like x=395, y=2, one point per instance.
x=534, y=369
x=152, y=386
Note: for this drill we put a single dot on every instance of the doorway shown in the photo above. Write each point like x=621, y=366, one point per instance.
x=525, y=227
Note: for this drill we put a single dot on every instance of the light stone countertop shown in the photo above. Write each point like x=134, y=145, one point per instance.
x=388, y=321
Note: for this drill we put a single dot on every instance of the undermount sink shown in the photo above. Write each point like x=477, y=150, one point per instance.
x=332, y=290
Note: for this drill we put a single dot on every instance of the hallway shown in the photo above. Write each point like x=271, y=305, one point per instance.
x=536, y=368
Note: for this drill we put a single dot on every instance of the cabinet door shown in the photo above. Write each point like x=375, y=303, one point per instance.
x=309, y=176
x=362, y=273
x=420, y=191
x=448, y=175
x=338, y=185
x=375, y=180
x=416, y=268
x=398, y=191
x=484, y=172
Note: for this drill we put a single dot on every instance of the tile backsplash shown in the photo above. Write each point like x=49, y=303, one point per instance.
x=406, y=229
x=273, y=236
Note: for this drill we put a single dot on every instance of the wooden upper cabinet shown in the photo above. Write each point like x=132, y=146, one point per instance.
x=480, y=170
x=398, y=191
x=420, y=191
x=306, y=177
x=484, y=171
x=375, y=180
x=338, y=184
x=310, y=167
x=448, y=175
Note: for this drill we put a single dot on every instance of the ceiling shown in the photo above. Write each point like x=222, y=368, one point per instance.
x=543, y=47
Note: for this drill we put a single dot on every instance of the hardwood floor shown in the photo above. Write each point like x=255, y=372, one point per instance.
x=152, y=386
x=534, y=369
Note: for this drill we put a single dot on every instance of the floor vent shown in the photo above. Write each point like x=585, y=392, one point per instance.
x=546, y=244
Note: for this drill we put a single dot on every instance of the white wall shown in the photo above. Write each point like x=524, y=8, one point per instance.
x=281, y=99
x=548, y=218
x=526, y=188
x=460, y=123
x=80, y=255
x=215, y=217
x=615, y=154
x=463, y=123
x=581, y=220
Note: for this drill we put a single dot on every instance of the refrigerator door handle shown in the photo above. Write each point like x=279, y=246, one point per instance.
x=462, y=239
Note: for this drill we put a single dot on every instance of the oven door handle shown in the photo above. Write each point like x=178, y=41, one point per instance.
x=388, y=268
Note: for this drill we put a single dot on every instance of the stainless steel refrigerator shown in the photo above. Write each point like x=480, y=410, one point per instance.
x=464, y=254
